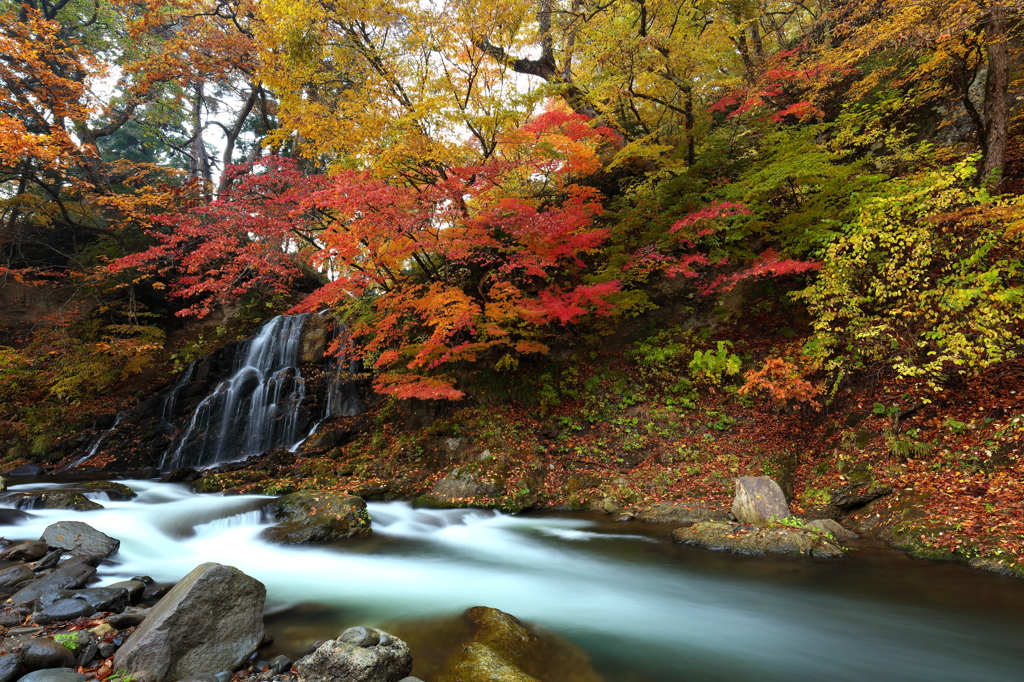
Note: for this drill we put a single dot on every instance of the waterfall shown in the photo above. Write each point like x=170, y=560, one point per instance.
x=255, y=410
x=95, y=447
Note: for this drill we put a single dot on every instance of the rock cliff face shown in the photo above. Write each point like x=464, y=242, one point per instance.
x=266, y=393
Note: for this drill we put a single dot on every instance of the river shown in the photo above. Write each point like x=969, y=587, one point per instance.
x=644, y=608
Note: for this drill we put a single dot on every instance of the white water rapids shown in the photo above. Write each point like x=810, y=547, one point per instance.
x=644, y=608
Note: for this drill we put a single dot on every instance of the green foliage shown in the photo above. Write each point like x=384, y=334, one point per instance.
x=928, y=281
x=712, y=366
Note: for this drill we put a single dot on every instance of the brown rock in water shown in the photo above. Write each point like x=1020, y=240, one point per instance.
x=212, y=619
x=759, y=500
x=488, y=645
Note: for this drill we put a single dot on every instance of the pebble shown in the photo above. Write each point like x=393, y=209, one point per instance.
x=360, y=636
x=107, y=649
x=280, y=664
x=385, y=638
x=64, y=610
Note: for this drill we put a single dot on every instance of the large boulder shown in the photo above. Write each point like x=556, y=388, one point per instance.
x=358, y=655
x=496, y=647
x=316, y=516
x=745, y=539
x=79, y=539
x=210, y=621
x=759, y=500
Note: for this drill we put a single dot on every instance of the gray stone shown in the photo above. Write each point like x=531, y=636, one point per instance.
x=829, y=526
x=48, y=561
x=79, y=539
x=759, y=500
x=135, y=588
x=113, y=599
x=126, y=620
x=65, y=577
x=54, y=675
x=337, y=660
x=222, y=676
x=384, y=638
x=63, y=610
x=10, y=619
x=107, y=649
x=9, y=577
x=26, y=551
x=10, y=666
x=88, y=653
x=201, y=677
x=46, y=653
x=359, y=636
x=280, y=664
x=50, y=598
x=316, y=516
x=212, y=619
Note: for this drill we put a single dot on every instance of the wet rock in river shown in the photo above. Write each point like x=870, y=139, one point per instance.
x=25, y=551
x=9, y=577
x=10, y=666
x=118, y=492
x=64, y=610
x=54, y=499
x=498, y=648
x=210, y=620
x=336, y=660
x=316, y=516
x=79, y=539
x=744, y=539
x=135, y=589
x=67, y=576
x=46, y=653
x=759, y=500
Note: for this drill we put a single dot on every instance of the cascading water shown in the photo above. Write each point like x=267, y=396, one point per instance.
x=255, y=410
x=95, y=447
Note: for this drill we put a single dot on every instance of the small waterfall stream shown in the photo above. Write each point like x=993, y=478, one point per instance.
x=255, y=410
x=646, y=609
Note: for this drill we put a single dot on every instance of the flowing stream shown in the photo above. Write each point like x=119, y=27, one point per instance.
x=644, y=608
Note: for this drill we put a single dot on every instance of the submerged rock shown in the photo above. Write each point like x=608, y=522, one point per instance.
x=212, y=619
x=79, y=539
x=744, y=539
x=316, y=516
x=759, y=500
x=54, y=499
x=501, y=649
x=372, y=661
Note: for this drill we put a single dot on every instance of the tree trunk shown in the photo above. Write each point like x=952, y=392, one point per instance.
x=997, y=109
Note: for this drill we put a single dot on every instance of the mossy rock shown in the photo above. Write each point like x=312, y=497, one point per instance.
x=55, y=499
x=747, y=539
x=316, y=516
x=115, y=491
x=216, y=483
x=492, y=646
